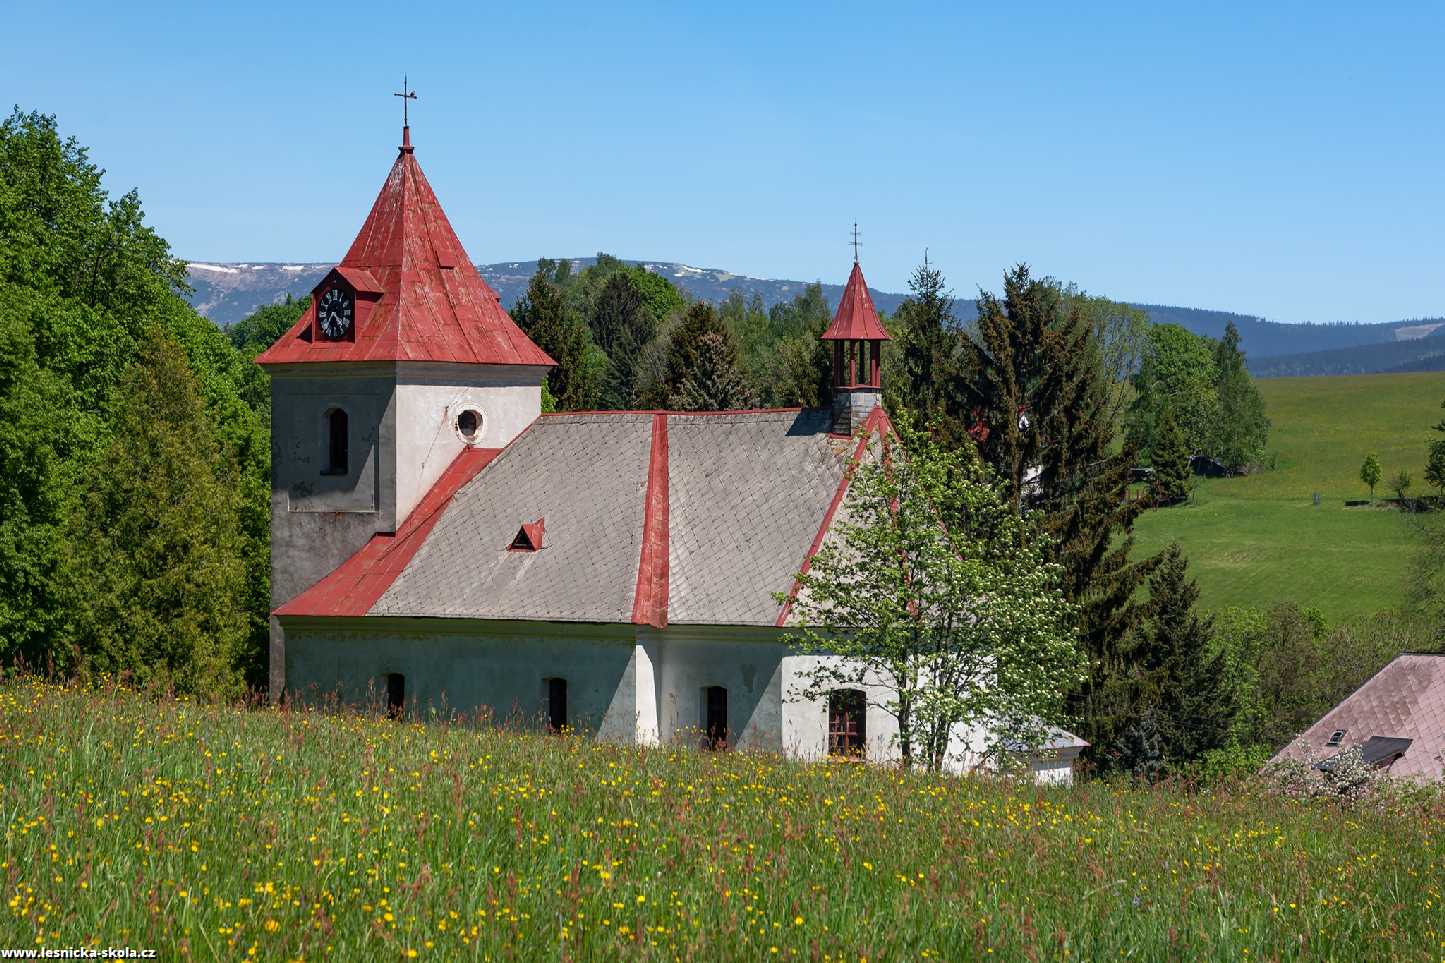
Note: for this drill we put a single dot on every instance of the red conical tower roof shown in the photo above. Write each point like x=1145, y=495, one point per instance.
x=856, y=318
x=432, y=305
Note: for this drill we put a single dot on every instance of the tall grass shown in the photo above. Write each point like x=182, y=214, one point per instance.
x=222, y=833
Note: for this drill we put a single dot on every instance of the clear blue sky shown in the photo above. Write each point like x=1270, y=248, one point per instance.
x=1284, y=161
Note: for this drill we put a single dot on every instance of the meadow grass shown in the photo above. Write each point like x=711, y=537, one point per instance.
x=1259, y=540
x=221, y=833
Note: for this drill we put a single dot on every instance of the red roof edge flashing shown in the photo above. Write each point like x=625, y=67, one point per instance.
x=649, y=601
x=877, y=421
x=356, y=585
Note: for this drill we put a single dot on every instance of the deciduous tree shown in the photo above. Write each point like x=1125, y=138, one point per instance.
x=1370, y=472
x=946, y=598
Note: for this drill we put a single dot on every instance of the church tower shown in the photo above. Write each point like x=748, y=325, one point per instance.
x=857, y=337
x=404, y=359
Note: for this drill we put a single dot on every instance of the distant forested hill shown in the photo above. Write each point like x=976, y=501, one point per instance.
x=226, y=293
x=1419, y=354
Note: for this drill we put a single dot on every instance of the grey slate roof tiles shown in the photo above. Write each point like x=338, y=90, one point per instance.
x=747, y=492
x=586, y=475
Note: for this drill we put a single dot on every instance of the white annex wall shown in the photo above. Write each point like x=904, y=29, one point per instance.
x=429, y=397
x=624, y=683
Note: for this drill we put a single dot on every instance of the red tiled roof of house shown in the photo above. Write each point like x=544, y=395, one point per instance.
x=1403, y=701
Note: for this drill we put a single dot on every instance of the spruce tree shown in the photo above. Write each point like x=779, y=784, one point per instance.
x=621, y=324
x=153, y=564
x=715, y=382
x=1042, y=406
x=1169, y=485
x=542, y=313
x=1241, y=429
x=928, y=356
x=1195, y=700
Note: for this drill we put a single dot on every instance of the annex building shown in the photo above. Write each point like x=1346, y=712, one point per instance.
x=437, y=541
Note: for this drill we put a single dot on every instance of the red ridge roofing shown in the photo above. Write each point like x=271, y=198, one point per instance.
x=649, y=605
x=877, y=421
x=856, y=317
x=434, y=306
x=354, y=587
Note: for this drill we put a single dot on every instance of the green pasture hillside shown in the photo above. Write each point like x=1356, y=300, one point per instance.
x=1260, y=540
x=212, y=833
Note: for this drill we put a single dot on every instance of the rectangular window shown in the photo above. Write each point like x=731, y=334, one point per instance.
x=395, y=695
x=1336, y=737
x=338, y=442
x=715, y=717
x=556, y=705
x=847, y=724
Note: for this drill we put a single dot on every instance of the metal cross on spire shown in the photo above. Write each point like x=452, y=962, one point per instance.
x=855, y=242
x=405, y=95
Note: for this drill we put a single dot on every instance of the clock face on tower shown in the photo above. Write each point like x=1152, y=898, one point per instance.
x=334, y=313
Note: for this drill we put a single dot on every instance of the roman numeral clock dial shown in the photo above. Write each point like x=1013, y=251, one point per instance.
x=334, y=313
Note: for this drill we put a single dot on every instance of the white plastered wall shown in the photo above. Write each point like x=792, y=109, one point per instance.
x=429, y=397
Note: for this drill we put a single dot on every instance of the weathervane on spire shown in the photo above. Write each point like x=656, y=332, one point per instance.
x=855, y=242
x=405, y=95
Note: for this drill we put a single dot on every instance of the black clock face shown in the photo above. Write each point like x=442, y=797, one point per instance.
x=334, y=313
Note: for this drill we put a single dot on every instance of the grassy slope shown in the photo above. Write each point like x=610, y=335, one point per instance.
x=217, y=833
x=1259, y=540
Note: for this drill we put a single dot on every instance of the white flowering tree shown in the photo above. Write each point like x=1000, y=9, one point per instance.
x=941, y=601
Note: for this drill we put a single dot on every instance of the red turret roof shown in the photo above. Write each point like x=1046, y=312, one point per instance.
x=433, y=305
x=856, y=318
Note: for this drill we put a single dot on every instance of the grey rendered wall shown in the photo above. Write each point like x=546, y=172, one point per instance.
x=750, y=670
x=318, y=521
x=498, y=668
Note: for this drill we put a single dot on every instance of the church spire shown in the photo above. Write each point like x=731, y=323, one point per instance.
x=857, y=335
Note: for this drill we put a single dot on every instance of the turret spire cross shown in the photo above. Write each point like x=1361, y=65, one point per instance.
x=855, y=242
x=405, y=95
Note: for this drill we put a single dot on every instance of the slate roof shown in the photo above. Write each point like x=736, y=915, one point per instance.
x=433, y=304
x=1403, y=701
x=650, y=518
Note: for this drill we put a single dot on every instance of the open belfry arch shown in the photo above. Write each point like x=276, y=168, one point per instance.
x=615, y=573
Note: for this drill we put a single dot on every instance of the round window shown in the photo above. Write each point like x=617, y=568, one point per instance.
x=469, y=426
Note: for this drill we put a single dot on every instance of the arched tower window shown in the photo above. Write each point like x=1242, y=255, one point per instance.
x=338, y=438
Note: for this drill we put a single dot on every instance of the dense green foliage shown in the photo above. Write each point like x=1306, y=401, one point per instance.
x=1169, y=484
x=1207, y=387
x=220, y=834
x=1370, y=472
x=625, y=338
x=934, y=585
x=89, y=295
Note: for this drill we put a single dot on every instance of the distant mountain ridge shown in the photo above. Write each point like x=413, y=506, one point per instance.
x=227, y=292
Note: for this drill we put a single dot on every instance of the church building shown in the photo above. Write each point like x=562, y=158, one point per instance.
x=437, y=541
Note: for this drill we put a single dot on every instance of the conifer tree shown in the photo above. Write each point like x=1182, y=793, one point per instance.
x=1169, y=485
x=928, y=355
x=714, y=382
x=1195, y=703
x=154, y=566
x=621, y=325
x=1042, y=404
x=701, y=347
x=542, y=313
x=1241, y=429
